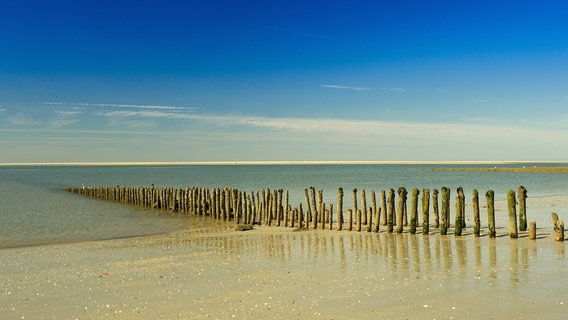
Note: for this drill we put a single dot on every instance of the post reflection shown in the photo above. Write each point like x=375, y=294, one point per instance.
x=398, y=256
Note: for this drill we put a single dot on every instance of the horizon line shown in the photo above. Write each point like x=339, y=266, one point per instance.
x=276, y=162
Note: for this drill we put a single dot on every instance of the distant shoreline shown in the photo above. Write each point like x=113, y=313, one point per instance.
x=237, y=163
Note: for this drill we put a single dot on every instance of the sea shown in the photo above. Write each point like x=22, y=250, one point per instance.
x=35, y=210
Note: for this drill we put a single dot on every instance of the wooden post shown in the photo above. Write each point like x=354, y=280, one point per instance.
x=445, y=209
x=425, y=211
x=370, y=219
x=435, y=208
x=279, y=208
x=321, y=207
x=462, y=209
x=384, y=207
x=331, y=216
x=476, y=221
x=458, y=225
x=355, y=204
x=532, y=230
x=558, y=227
x=399, y=209
x=339, y=209
x=376, y=212
x=349, y=219
x=414, y=210
x=522, y=208
x=390, y=221
x=358, y=221
x=313, y=207
x=363, y=207
x=490, y=198
x=308, y=213
x=301, y=216
x=513, y=230
x=287, y=210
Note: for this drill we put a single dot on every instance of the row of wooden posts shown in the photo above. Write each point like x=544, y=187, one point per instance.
x=272, y=207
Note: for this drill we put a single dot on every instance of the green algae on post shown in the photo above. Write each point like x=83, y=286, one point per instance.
x=522, y=196
x=445, y=211
x=475, y=206
x=414, y=210
x=458, y=225
x=490, y=198
x=435, y=208
x=400, y=209
x=512, y=204
x=390, y=221
x=425, y=211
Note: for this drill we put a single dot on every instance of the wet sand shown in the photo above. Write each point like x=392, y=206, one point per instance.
x=212, y=271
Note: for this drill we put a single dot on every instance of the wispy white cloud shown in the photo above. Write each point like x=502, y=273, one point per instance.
x=22, y=120
x=393, y=89
x=84, y=104
x=335, y=86
x=2, y=109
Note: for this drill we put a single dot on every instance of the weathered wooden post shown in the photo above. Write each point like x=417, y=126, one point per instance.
x=558, y=227
x=400, y=209
x=490, y=198
x=390, y=222
x=532, y=230
x=458, y=225
x=301, y=218
x=522, y=208
x=321, y=207
x=425, y=211
x=279, y=208
x=384, y=207
x=462, y=209
x=512, y=202
x=445, y=211
x=358, y=221
x=364, y=207
x=287, y=211
x=308, y=213
x=414, y=211
x=349, y=219
x=331, y=216
x=314, y=208
x=339, y=209
x=475, y=205
x=435, y=208
x=370, y=219
x=355, y=205
x=376, y=214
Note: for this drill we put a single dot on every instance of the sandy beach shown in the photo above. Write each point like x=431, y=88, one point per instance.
x=211, y=271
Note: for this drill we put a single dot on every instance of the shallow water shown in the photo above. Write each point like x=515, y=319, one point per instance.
x=210, y=271
x=33, y=209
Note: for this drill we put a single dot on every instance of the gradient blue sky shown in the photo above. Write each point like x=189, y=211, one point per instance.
x=283, y=80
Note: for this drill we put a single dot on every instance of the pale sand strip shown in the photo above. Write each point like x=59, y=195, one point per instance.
x=214, y=272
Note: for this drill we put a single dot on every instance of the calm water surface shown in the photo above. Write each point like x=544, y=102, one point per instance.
x=34, y=210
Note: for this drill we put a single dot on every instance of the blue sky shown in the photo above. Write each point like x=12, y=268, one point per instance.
x=283, y=80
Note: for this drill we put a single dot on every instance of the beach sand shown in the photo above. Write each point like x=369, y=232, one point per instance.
x=211, y=271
